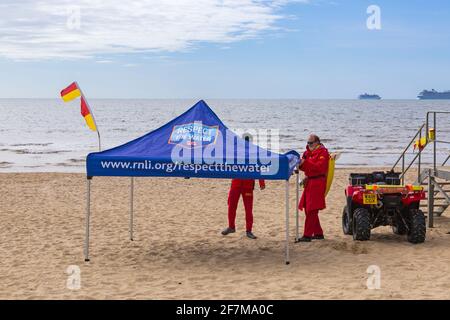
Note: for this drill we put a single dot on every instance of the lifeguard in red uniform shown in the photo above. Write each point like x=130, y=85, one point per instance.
x=314, y=164
x=245, y=188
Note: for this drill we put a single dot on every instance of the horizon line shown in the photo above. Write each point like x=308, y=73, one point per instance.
x=236, y=98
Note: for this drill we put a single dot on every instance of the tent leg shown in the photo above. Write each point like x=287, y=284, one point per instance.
x=131, y=207
x=88, y=216
x=297, y=197
x=287, y=222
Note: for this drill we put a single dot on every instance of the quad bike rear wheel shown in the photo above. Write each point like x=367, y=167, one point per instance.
x=346, y=225
x=417, y=226
x=361, y=224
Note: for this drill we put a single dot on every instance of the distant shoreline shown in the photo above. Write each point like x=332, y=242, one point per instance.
x=236, y=99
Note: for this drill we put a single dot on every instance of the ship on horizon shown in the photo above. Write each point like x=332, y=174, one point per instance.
x=367, y=96
x=433, y=95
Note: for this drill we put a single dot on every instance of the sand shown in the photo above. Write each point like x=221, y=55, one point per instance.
x=178, y=252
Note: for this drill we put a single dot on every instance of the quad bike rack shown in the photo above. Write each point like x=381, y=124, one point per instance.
x=435, y=179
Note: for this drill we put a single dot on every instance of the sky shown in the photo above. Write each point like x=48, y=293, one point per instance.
x=247, y=49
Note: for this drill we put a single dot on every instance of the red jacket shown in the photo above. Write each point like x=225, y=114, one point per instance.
x=247, y=184
x=315, y=166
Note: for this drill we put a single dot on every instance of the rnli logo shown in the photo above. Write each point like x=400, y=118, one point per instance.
x=194, y=134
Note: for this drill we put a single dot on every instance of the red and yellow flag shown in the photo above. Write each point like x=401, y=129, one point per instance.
x=86, y=113
x=71, y=93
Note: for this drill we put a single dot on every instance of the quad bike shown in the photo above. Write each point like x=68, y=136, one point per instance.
x=378, y=199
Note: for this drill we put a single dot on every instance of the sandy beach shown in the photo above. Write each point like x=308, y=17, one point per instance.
x=178, y=252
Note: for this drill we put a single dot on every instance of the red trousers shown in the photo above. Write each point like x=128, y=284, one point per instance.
x=312, y=224
x=233, y=199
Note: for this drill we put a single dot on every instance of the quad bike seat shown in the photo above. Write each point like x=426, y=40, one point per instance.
x=376, y=177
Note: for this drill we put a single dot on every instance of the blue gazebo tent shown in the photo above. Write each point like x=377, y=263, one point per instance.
x=195, y=144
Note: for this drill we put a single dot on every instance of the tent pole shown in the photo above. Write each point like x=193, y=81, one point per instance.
x=287, y=222
x=297, y=189
x=88, y=215
x=131, y=207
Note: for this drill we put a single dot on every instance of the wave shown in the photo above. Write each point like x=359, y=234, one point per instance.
x=32, y=144
x=68, y=164
x=28, y=151
x=77, y=160
x=5, y=164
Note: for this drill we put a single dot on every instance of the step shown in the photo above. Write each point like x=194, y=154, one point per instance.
x=441, y=183
x=435, y=205
x=440, y=210
x=437, y=213
x=437, y=191
x=437, y=198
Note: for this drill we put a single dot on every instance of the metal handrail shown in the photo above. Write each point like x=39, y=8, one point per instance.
x=445, y=161
x=418, y=134
x=409, y=145
x=435, y=141
x=403, y=154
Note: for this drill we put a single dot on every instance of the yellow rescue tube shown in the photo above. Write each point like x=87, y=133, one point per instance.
x=330, y=174
x=420, y=143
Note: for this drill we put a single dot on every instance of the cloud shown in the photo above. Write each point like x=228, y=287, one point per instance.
x=130, y=65
x=74, y=29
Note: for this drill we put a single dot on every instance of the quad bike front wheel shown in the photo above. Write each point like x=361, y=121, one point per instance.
x=417, y=226
x=400, y=228
x=361, y=225
x=347, y=227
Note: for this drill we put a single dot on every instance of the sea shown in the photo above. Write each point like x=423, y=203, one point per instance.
x=48, y=135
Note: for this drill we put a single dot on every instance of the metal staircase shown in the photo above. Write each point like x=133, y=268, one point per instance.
x=436, y=184
x=435, y=178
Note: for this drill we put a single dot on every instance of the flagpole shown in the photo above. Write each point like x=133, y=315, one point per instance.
x=93, y=117
x=99, y=140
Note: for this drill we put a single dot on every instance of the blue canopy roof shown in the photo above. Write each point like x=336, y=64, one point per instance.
x=195, y=144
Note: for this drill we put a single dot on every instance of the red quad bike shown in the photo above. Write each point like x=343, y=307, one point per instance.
x=378, y=199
